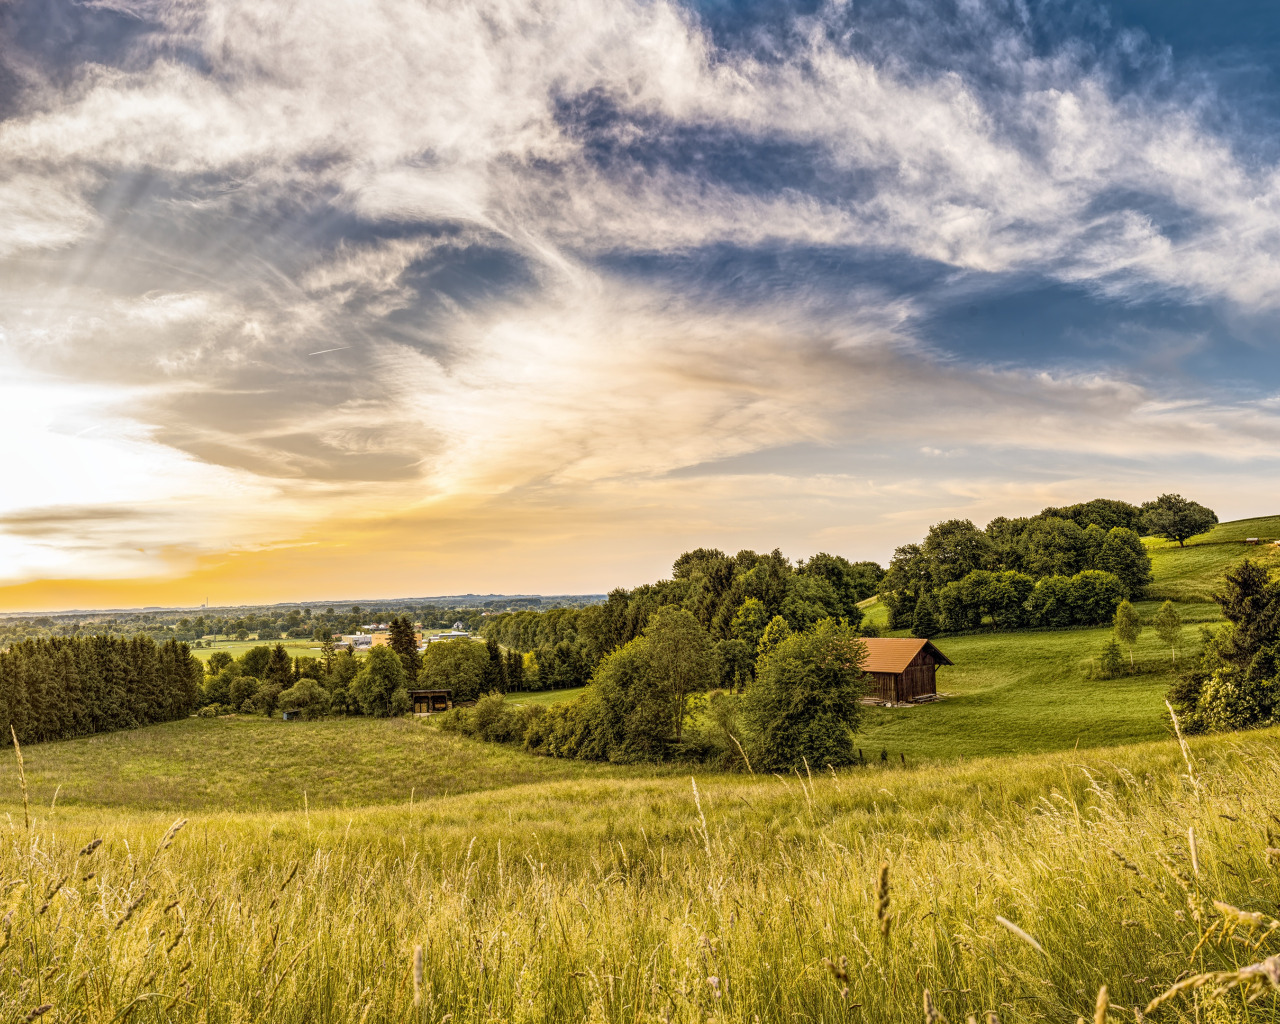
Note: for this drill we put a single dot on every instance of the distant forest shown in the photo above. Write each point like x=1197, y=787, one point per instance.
x=265, y=622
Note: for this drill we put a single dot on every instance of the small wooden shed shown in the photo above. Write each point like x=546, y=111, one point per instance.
x=903, y=669
x=428, y=702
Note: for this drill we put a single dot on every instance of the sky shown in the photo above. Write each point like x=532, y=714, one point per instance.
x=374, y=298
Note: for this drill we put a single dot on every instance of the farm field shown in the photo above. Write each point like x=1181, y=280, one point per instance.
x=249, y=763
x=611, y=898
x=546, y=696
x=296, y=648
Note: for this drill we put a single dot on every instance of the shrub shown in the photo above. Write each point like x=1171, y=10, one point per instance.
x=1231, y=699
x=1111, y=663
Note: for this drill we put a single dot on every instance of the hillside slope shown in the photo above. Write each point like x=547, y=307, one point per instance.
x=735, y=899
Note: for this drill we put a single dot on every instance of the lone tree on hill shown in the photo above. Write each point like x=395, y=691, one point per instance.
x=1128, y=626
x=1175, y=518
x=1168, y=625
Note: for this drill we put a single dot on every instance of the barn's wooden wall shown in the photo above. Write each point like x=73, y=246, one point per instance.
x=919, y=679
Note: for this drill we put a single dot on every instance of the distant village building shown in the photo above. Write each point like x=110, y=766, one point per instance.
x=461, y=626
x=903, y=670
x=357, y=641
x=454, y=635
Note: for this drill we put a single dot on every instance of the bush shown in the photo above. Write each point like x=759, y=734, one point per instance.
x=1112, y=662
x=804, y=704
x=1231, y=699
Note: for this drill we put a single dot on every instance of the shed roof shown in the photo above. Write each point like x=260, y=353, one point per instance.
x=894, y=654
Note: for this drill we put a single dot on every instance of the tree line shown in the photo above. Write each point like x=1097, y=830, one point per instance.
x=655, y=698
x=58, y=688
x=1064, y=567
x=732, y=597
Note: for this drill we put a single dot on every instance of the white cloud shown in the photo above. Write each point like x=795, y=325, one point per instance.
x=331, y=371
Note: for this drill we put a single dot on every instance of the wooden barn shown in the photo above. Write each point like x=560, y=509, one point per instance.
x=903, y=670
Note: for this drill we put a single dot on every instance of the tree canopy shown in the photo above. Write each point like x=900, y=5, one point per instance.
x=1176, y=518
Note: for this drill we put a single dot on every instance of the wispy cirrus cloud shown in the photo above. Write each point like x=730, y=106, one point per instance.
x=409, y=256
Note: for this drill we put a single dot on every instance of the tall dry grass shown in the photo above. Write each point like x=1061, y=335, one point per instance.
x=1013, y=888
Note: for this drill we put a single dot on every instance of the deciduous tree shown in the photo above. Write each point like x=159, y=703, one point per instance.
x=1176, y=518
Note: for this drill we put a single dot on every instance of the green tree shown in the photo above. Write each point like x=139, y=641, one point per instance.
x=306, y=696
x=1168, y=626
x=242, y=689
x=1176, y=518
x=1112, y=660
x=1124, y=555
x=735, y=661
x=749, y=622
x=495, y=672
x=805, y=702
x=954, y=549
x=218, y=660
x=774, y=633
x=1128, y=626
x=925, y=622
x=404, y=641
x=681, y=657
x=279, y=671
x=327, y=653
x=381, y=675
x=849, y=581
x=457, y=665
x=254, y=661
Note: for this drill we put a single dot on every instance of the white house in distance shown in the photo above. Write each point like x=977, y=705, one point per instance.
x=453, y=634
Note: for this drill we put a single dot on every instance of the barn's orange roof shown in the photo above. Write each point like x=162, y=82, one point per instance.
x=894, y=654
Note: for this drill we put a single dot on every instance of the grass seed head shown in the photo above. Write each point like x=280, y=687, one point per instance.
x=417, y=975
x=931, y=1014
x=1100, y=1009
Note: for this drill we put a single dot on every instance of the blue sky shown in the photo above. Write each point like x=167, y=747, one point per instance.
x=412, y=297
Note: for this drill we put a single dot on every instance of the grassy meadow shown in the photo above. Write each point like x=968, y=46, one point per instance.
x=1013, y=886
x=1034, y=836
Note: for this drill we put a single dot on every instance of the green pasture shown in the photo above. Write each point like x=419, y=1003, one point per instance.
x=1192, y=573
x=297, y=648
x=545, y=696
x=248, y=763
x=1028, y=692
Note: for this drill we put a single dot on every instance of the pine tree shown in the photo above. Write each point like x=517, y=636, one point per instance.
x=1112, y=660
x=404, y=641
x=925, y=622
x=495, y=673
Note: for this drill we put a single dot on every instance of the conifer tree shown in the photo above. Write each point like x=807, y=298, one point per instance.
x=404, y=641
x=925, y=622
